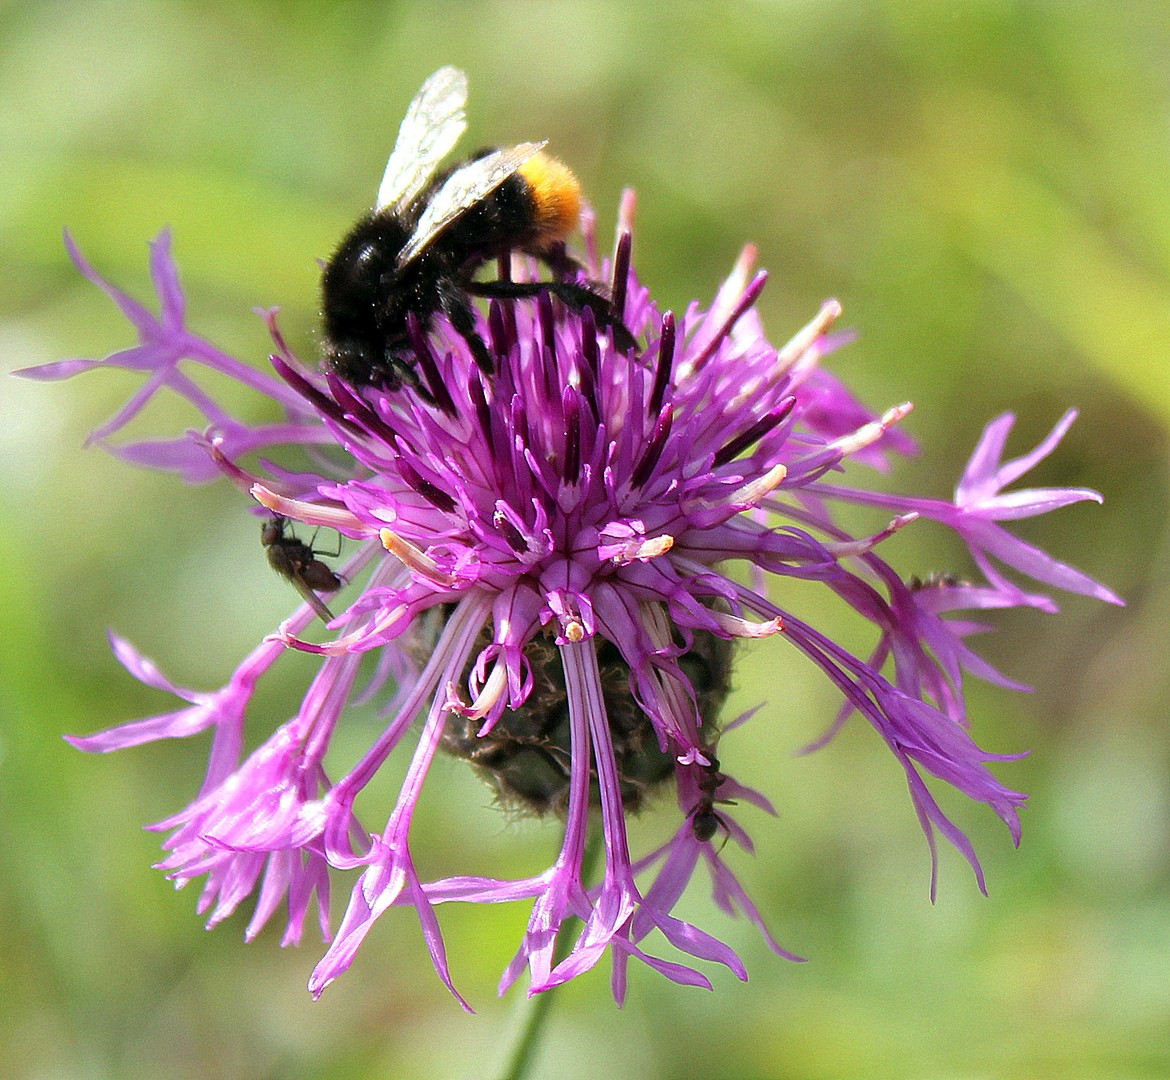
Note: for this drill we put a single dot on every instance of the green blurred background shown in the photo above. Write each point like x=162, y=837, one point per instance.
x=983, y=185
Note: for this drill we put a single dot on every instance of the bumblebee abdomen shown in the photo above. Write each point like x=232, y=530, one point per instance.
x=535, y=207
x=554, y=198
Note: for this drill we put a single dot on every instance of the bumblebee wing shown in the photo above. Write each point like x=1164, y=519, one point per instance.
x=465, y=187
x=433, y=123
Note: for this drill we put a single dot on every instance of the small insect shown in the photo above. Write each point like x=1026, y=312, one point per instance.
x=706, y=821
x=294, y=559
x=937, y=579
x=414, y=255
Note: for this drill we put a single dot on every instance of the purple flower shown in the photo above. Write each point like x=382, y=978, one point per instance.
x=551, y=572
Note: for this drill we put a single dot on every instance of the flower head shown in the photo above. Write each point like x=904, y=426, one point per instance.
x=550, y=561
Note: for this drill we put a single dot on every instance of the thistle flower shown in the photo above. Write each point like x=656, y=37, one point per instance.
x=549, y=563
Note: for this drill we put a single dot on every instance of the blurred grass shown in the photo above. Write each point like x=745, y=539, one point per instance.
x=984, y=187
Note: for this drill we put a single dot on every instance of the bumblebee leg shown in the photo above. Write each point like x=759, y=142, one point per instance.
x=454, y=304
x=560, y=262
x=393, y=373
x=508, y=290
x=577, y=297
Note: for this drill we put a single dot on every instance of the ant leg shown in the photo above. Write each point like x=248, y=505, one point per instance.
x=317, y=551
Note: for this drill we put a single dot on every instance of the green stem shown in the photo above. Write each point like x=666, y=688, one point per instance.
x=532, y=1012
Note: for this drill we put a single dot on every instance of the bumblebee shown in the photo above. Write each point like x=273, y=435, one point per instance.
x=297, y=561
x=414, y=256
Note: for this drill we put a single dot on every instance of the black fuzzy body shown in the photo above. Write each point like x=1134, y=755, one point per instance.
x=368, y=300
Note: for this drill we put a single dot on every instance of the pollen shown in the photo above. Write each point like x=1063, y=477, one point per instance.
x=556, y=199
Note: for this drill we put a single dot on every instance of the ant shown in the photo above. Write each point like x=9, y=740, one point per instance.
x=297, y=561
x=706, y=821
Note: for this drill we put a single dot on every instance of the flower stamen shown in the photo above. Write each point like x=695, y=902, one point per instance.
x=806, y=337
x=415, y=559
x=322, y=515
